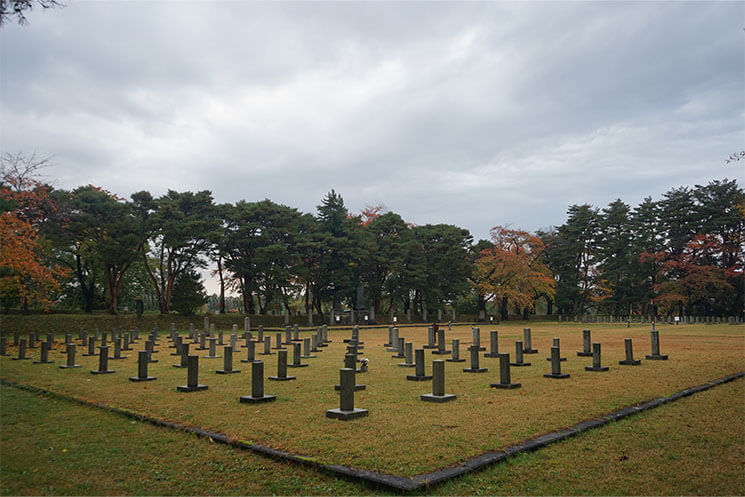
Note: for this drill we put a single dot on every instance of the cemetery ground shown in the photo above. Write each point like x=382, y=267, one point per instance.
x=695, y=445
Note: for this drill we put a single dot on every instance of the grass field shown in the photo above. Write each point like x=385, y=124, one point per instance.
x=403, y=435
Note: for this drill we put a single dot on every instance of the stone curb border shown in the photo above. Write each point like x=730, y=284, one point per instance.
x=394, y=482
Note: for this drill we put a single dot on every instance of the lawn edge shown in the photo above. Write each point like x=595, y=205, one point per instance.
x=400, y=483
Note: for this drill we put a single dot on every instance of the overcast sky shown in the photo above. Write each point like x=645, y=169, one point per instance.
x=474, y=114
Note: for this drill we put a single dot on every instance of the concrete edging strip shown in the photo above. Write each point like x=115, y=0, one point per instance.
x=395, y=482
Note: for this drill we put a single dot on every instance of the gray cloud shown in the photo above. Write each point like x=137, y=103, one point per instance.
x=474, y=114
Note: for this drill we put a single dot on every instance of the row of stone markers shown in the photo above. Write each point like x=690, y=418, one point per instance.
x=404, y=349
x=588, y=318
x=191, y=362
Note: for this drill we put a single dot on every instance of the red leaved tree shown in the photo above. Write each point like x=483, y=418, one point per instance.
x=512, y=271
x=25, y=269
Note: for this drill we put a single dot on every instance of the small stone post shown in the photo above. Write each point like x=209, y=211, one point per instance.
x=556, y=344
x=213, y=349
x=408, y=354
x=586, y=351
x=400, y=349
x=296, y=357
x=267, y=346
x=250, y=352
x=519, y=362
x=306, y=349
x=21, y=351
x=282, y=367
x=346, y=409
x=192, y=376
x=257, y=386
x=629, y=354
x=596, y=359
x=655, y=355
x=493, y=344
x=419, y=365
x=70, y=357
x=556, y=365
x=438, y=384
x=142, y=368
x=527, y=342
x=475, y=367
x=456, y=352
x=103, y=361
x=91, y=347
x=184, y=356
x=44, y=354
x=228, y=362
x=441, y=343
x=505, y=381
x=430, y=338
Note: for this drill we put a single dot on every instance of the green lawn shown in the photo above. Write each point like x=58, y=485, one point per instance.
x=403, y=435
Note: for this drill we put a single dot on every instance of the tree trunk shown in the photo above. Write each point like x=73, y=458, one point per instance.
x=23, y=305
x=503, y=310
x=222, y=286
x=112, y=282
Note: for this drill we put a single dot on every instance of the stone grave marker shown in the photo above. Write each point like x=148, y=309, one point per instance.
x=556, y=344
x=118, y=350
x=22, y=351
x=399, y=349
x=419, y=374
x=505, y=382
x=4, y=346
x=70, y=358
x=250, y=352
x=267, y=347
x=296, y=363
x=213, y=349
x=519, y=362
x=430, y=338
x=438, y=384
x=228, y=362
x=257, y=386
x=44, y=354
x=475, y=367
x=556, y=366
x=142, y=368
x=350, y=362
x=476, y=334
x=493, y=344
x=150, y=351
x=655, y=355
x=278, y=342
x=346, y=409
x=184, y=356
x=456, y=352
x=177, y=343
x=103, y=361
x=192, y=376
x=306, y=349
x=596, y=360
x=441, y=343
x=282, y=367
x=409, y=356
x=527, y=342
x=629, y=361
x=586, y=351
x=91, y=347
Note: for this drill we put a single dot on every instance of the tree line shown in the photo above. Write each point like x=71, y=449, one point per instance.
x=88, y=249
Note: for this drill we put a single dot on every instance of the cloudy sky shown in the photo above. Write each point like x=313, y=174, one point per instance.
x=473, y=114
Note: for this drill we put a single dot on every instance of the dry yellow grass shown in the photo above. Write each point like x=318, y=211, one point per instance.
x=404, y=435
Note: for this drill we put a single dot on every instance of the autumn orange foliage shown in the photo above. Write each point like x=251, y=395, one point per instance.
x=25, y=272
x=513, y=268
x=692, y=275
